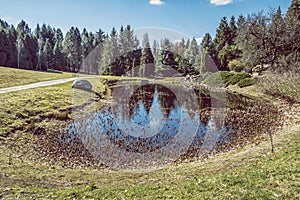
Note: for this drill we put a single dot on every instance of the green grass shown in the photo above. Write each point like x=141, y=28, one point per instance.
x=13, y=77
x=246, y=82
x=23, y=108
x=250, y=173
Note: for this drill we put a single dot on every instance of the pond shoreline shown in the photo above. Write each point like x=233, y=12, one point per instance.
x=252, y=92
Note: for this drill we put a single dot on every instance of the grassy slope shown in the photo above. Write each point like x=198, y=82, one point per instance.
x=13, y=77
x=19, y=109
x=249, y=173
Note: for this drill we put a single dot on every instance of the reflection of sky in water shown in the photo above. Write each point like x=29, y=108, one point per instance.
x=153, y=128
x=143, y=124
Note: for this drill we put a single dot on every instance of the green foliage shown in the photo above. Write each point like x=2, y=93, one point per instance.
x=192, y=53
x=255, y=40
x=236, y=77
x=147, y=60
x=73, y=49
x=224, y=78
x=246, y=82
x=270, y=39
x=236, y=65
x=47, y=55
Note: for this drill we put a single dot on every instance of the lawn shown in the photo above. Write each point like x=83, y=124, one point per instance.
x=249, y=173
x=22, y=108
x=13, y=77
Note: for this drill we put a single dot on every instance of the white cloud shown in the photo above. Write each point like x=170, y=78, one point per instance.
x=221, y=2
x=156, y=2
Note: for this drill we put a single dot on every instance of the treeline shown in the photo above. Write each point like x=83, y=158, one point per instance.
x=240, y=45
x=257, y=39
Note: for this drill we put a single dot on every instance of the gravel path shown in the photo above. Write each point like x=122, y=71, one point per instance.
x=35, y=85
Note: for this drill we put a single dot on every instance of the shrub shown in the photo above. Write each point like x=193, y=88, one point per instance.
x=246, y=82
x=224, y=78
x=236, y=65
x=238, y=77
x=226, y=75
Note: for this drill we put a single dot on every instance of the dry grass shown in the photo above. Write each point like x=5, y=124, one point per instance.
x=285, y=85
x=251, y=172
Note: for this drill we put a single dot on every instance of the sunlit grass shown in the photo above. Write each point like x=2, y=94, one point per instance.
x=285, y=85
x=13, y=77
x=19, y=109
x=248, y=173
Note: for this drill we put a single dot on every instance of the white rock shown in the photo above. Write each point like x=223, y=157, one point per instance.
x=82, y=85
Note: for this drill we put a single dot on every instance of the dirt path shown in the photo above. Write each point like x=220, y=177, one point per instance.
x=38, y=84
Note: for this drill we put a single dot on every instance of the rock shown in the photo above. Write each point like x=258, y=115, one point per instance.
x=260, y=68
x=257, y=68
x=82, y=85
x=144, y=82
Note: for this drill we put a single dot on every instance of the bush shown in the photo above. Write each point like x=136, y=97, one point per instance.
x=246, y=82
x=226, y=75
x=224, y=78
x=238, y=77
x=236, y=65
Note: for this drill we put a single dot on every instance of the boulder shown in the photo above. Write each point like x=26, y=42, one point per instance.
x=82, y=85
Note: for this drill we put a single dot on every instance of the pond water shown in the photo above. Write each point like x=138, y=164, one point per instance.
x=149, y=126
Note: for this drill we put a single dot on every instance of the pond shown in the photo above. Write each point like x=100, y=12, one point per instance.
x=150, y=125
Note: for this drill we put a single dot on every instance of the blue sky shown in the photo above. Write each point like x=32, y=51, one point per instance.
x=191, y=17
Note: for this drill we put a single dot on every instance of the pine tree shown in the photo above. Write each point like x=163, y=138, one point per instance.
x=222, y=35
x=292, y=46
x=72, y=49
x=147, y=60
x=220, y=41
x=58, y=56
x=110, y=54
x=232, y=31
x=32, y=47
x=276, y=38
x=47, y=55
x=87, y=47
x=192, y=52
x=12, y=56
x=4, y=47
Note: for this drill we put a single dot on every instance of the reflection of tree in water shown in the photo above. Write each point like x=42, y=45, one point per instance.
x=204, y=102
x=146, y=94
x=167, y=99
